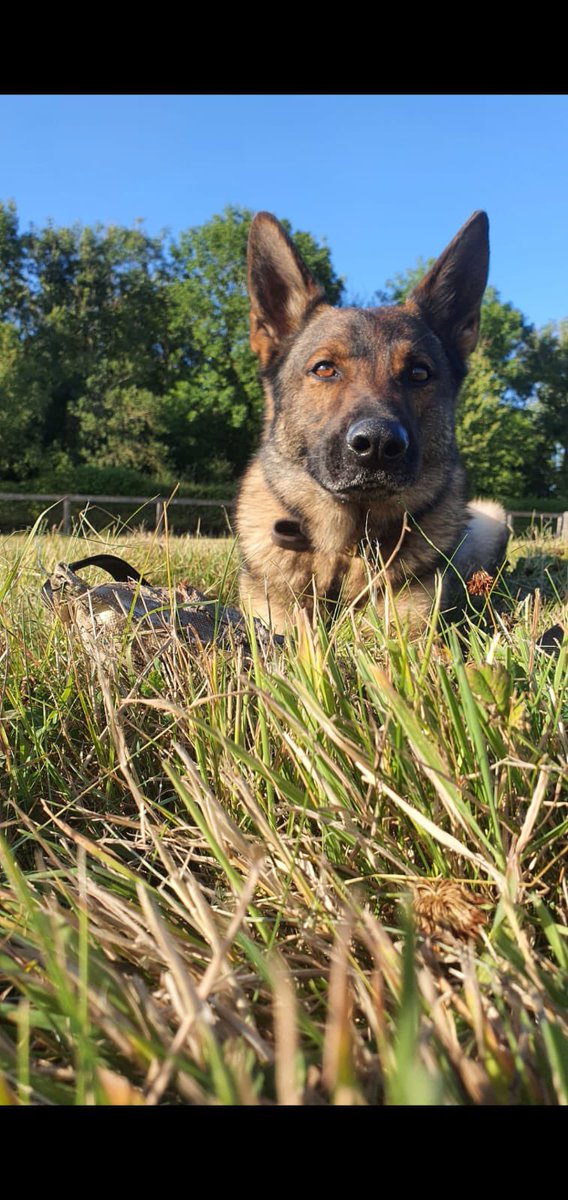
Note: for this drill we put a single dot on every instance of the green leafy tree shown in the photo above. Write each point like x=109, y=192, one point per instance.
x=213, y=411
x=545, y=364
x=496, y=438
x=496, y=427
x=22, y=406
x=15, y=293
x=23, y=395
x=100, y=317
x=121, y=426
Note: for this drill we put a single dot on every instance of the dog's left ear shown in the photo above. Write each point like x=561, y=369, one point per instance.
x=449, y=297
x=281, y=286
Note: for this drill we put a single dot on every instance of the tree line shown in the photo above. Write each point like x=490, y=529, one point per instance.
x=125, y=365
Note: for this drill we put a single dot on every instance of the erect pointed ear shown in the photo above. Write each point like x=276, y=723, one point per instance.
x=449, y=297
x=281, y=287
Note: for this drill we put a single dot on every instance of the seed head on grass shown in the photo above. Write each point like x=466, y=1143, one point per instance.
x=442, y=906
x=480, y=583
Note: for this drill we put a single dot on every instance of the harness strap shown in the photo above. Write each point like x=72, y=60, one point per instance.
x=117, y=567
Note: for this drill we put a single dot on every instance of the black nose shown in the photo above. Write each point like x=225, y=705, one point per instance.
x=378, y=439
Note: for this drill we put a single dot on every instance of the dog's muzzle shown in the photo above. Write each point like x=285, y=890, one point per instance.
x=374, y=455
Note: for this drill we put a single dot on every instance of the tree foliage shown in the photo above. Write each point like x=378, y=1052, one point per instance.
x=122, y=350
x=546, y=367
x=124, y=353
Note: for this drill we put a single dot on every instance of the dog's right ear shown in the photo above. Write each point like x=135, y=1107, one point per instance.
x=281, y=286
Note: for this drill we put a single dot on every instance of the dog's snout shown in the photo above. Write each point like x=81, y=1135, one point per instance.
x=378, y=439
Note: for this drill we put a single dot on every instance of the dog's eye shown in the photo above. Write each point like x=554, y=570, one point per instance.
x=420, y=373
x=324, y=370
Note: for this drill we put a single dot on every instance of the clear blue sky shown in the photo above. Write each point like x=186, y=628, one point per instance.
x=384, y=178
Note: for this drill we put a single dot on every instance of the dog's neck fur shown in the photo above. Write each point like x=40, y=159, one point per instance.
x=336, y=527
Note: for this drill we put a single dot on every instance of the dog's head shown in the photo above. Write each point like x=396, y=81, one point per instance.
x=364, y=399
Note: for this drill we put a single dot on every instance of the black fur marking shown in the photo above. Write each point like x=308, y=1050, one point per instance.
x=418, y=514
x=276, y=392
x=284, y=500
x=363, y=341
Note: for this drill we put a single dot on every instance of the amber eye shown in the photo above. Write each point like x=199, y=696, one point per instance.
x=420, y=373
x=324, y=370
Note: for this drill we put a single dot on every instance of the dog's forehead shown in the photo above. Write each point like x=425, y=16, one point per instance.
x=361, y=332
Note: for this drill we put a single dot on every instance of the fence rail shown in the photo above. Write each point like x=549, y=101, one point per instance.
x=559, y=518
x=70, y=498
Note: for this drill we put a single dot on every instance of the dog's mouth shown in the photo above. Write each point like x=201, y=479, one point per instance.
x=362, y=485
x=366, y=487
x=360, y=492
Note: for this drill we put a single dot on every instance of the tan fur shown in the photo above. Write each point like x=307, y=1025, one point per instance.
x=335, y=564
x=301, y=474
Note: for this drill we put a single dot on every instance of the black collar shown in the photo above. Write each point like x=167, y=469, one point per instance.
x=289, y=535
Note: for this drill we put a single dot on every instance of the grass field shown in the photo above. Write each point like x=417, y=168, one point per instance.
x=333, y=873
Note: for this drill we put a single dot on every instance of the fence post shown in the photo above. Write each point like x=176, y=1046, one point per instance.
x=67, y=516
x=564, y=527
x=159, y=514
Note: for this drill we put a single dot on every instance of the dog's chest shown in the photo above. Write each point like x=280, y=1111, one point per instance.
x=345, y=575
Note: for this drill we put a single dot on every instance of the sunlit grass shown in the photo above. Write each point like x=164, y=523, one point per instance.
x=334, y=872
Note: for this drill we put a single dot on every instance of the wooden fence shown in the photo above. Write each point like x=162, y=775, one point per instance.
x=159, y=503
x=557, y=520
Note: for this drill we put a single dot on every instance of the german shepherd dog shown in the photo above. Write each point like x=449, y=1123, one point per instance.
x=359, y=451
